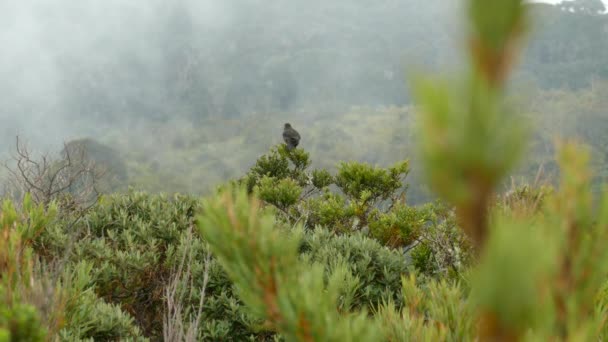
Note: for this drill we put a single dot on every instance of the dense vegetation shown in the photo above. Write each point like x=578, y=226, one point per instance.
x=125, y=252
x=338, y=250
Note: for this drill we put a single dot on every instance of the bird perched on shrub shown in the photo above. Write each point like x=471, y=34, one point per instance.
x=291, y=137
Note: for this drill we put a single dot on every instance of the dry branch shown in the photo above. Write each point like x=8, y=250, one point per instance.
x=72, y=177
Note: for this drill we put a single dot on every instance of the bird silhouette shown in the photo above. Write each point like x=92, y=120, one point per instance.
x=291, y=137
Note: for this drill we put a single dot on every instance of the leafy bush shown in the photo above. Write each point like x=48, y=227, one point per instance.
x=282, y=194
x=297, y=299
x=291, y=296
x=360, y=181
x=20, y=322
x=401, y=226
x=135, y=241
x=41, y=300
x=366, y=198
x=377, y=268
x=125, y=251
x=359, y=198
x=20, y=298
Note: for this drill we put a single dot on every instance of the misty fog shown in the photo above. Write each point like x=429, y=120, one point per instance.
x=214, y=78
x=68, y=64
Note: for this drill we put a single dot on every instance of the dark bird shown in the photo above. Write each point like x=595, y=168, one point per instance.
x=291, y=137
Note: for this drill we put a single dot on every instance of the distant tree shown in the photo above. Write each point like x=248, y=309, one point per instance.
x=106, y=159
x=584, y=6
x=570, y=46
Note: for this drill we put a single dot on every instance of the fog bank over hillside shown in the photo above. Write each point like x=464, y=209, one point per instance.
x=72, y=68
x=204, y=86
x=66, y=60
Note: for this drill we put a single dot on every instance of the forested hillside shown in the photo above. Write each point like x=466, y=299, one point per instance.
x=193, y=92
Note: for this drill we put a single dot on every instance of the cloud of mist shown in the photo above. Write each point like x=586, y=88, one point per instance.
x=204, y=77
x=66, y=64
x=46, y=44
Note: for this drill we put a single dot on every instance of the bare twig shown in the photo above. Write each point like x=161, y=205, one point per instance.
x=176, y=326
x=72, y=176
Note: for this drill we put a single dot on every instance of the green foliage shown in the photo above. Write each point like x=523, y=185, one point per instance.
x=359, y=180
x=133, y=241
x=322, y=178
x=433, y=308
x=271, y=165
x=275, y=181
x=21, y=322
x=422, y=258
x=378, y=269
x=464, y=125
x=298, y=157
x=513, y=293
x=291, y=296
x=330, y=210
x=90, y=317
x=496, y=24
x=451, y=249
x=295, y=298
x=459, y=139
x=39, y=301
x=124, y=251
x=551, y=264
x=401, y=222
x=276, y=164
x=536, y=277
x=401, y=326
x=282, y=194
x=19, y=317
x=369, y=198
x=362, y=190
x=37, y=217
x=524, y=200
x=363, y=198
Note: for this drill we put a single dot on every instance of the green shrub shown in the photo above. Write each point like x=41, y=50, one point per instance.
x=358, y=180
x=21, y=299
x=297, y=299
x=133, y=244
x=282, y=193
x=330, y=210
x=322, y=179
x=21, y=322
x=433, y=311
x=360, y=197
x=401, y=226
x=49, y=299
x=89, y=317
x=422, y=258
x=377, y=268
x=294, y=298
